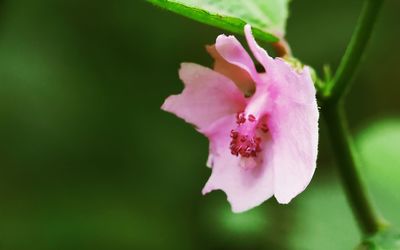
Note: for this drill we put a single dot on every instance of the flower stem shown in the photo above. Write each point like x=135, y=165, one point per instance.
x=348, y=166
x=354, y=52
x=332, y=99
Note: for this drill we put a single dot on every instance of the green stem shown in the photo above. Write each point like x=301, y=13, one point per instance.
x=342, y=143
x=353, y=55
x=332, y=100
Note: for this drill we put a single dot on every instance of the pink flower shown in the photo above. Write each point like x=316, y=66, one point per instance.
x=262, y=127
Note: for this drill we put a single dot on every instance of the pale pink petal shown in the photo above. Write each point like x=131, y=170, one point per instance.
x=245, y=187
x=207, y=96
x=293, y=124
x=295, y=85
x=259, y=53
x=240, y=76
x=233, y=52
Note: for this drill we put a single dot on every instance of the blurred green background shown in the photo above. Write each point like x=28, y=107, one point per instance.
x=89, y=161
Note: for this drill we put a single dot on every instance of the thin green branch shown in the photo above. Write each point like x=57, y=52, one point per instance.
x=354, y=52
x=332, y=99
x=368, y=219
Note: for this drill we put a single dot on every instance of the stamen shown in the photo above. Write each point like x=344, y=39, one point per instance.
x=245, y=142
x=244, y=146
x=240, y=118
x=234, y=134
x=264, y=127
x=252, y=118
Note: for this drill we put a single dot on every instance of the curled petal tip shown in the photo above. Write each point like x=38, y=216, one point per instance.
x=247, y=27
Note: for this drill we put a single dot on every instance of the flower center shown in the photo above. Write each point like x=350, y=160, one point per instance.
x=246, y=138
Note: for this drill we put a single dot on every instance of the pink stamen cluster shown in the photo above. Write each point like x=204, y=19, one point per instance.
x=243, y=144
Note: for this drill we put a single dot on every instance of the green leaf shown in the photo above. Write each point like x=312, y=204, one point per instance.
x=267, y=17
x=378, y=145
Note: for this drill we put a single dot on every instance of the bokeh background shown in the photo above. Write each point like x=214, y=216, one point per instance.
x=89, y=161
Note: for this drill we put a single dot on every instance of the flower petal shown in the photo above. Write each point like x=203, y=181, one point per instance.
x=259, y=53
x=207, y=96
x=230, y=49
x=240, y=76
x=293, y=124
x=245, y=187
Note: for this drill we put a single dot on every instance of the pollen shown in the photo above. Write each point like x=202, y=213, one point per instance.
x=240, y=118
x=246, y=144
